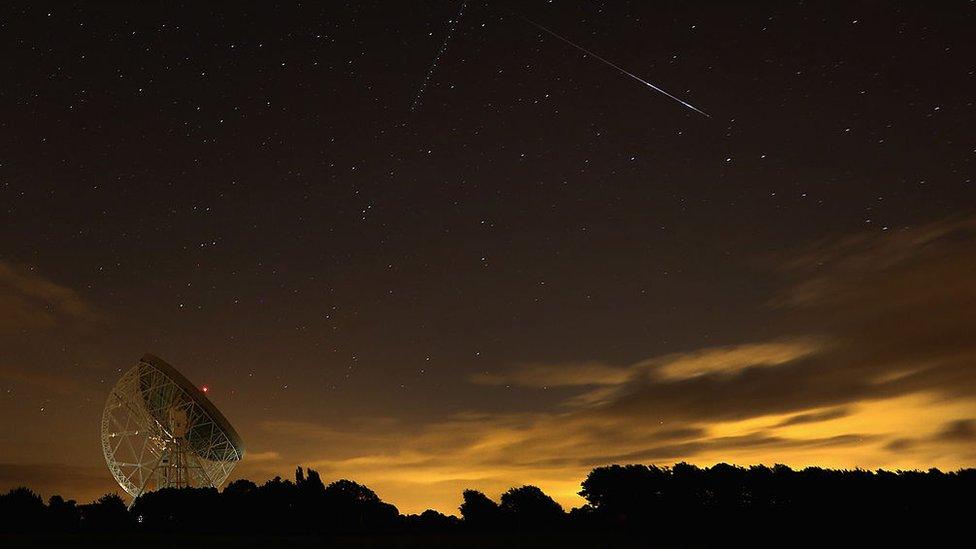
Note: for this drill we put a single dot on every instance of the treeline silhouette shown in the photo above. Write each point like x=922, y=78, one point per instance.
x=669, y=502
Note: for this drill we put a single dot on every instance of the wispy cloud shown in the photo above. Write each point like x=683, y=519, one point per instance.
x=720, y=360
x=815, y=417
x=731, y=359
x=30, y=301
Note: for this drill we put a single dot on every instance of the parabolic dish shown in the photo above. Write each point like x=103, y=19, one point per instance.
x=159, y=430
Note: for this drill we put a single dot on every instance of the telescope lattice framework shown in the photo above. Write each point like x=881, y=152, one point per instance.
x=159, y=430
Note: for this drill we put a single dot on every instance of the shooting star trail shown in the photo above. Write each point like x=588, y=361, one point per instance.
x=452, y=24
x=607, y=62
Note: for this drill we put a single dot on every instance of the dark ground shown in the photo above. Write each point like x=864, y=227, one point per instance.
x=404, y=540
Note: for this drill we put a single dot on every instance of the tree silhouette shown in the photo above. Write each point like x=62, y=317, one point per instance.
x=530, y=507
x=431, y=520
x=478, y=510
x=107, y=514
x=623, y=493
x=240, y=487
x=312, y=483
x=21, y=510
x=350, y=493
x=63, y=516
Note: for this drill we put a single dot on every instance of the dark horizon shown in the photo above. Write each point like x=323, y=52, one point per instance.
x=968, y=472
x=723, y=486
x=627, y=506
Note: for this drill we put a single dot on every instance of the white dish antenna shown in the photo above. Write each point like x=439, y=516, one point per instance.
x=159, y=430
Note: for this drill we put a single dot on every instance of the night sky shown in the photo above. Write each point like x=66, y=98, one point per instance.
x=492, y=260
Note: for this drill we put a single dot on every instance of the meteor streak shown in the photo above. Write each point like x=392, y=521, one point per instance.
x=607, y=62
x=452, y=24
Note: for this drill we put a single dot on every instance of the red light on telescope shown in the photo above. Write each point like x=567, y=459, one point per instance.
x=205, y=389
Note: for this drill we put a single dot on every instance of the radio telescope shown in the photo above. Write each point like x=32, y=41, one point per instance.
x=159, y=430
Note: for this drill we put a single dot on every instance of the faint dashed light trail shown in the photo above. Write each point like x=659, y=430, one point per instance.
x=607, y=62
x=451, y=25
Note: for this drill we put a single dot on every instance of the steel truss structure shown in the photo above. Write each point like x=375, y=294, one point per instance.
x=159, y=431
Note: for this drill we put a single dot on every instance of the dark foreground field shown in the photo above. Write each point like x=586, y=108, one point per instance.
x=883, y=534
x=434, y=540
